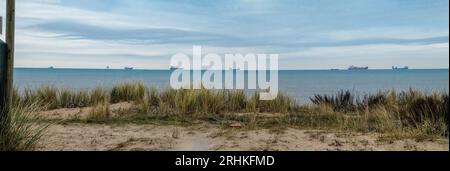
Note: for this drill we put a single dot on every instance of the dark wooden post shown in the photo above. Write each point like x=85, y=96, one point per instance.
x=7, y=61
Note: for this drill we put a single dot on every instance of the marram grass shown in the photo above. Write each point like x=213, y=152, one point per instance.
x=388, y=111
x=131, y=91
x=100, y=112
x=19, y=130
x=407, y=114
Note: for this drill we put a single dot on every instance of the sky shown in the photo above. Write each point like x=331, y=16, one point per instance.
x=307, y=34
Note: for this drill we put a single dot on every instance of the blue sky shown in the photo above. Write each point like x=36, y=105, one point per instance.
x=308, y=34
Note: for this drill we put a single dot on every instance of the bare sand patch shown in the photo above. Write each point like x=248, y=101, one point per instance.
x=206, y=137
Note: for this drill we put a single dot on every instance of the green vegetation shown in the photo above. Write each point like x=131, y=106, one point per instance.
x=71, y=99
x=410, y=111
x=97, y=96
x=128, y=92
x=409, y=114
x=20, y=131
x=100, y=112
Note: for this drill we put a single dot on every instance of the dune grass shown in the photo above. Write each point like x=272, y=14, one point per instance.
x=20, y=131
x=72, y=99
x=129, y=91
x=100, y=112
x=50, y=97
x=98, y=95
x=398, y=115
x=409, y=112
x=413, y=111
x=202, y=101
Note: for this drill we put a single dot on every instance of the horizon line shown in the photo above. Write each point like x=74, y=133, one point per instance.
x=168, y=69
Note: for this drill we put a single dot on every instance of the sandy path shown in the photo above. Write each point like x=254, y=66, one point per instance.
x=207, y=137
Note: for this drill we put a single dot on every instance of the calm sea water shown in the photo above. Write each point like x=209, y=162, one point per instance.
x=298, y=84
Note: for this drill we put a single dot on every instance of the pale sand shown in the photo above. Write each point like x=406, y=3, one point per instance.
x=204, y=137
x=207, y=137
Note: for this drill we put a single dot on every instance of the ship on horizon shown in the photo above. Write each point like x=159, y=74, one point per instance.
x=356, y=68
x=172, y=68
x=129, y=68
x=402, y=68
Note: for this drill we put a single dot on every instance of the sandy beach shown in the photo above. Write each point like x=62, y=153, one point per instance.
x=204, y=136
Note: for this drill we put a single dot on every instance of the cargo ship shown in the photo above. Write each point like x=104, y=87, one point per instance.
x=402, y=68
x=355, y=68
x=175, y=68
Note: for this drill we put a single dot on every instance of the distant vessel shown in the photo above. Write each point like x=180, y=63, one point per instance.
x=355, y=68
x=51, y=67
x=129, y=68
x=335, y=69
x=174, y=68
x=397, y=68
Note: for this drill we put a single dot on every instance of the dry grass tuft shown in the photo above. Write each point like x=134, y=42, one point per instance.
x=20, y=131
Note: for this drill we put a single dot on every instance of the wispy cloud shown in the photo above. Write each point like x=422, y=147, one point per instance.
x=306, y=34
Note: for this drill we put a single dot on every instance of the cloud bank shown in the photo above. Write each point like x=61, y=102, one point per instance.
x=307, y=34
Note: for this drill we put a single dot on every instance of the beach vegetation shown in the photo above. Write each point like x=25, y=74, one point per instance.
x=412, y=112
x=21, y=130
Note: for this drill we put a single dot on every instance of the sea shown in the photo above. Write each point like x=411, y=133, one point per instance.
x=299, y=84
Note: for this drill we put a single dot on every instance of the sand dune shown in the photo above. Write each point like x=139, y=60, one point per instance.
x=207, y=137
